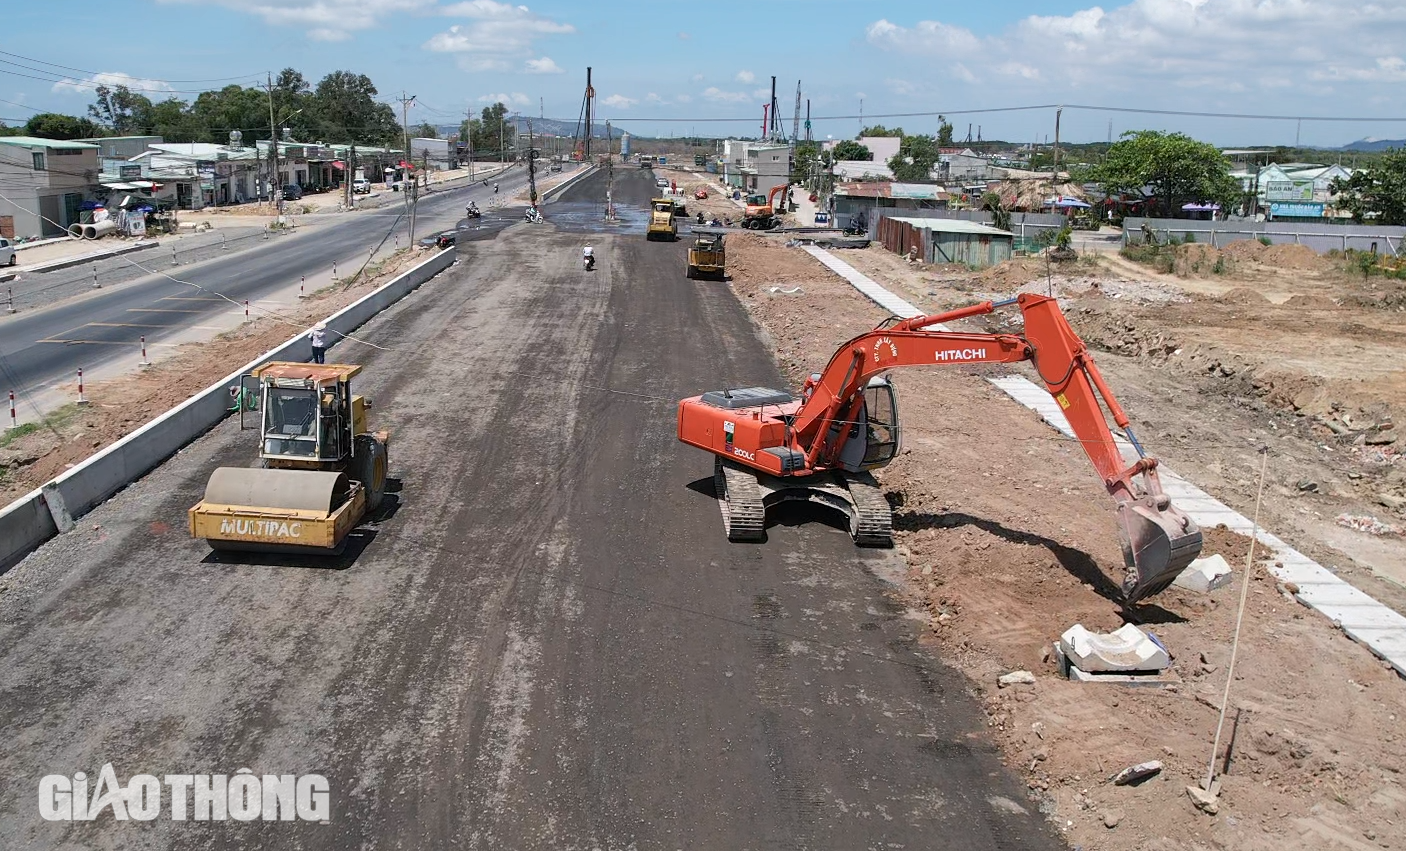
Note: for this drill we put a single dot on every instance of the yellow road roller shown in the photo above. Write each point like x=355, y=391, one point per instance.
x=320, y=471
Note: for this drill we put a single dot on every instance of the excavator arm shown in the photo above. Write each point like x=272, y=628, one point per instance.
x=1158, y=540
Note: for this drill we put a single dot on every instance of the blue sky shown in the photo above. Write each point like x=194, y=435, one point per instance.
x=692, y=62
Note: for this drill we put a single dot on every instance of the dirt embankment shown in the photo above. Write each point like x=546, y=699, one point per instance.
x=117, y=408
x=1010, y=540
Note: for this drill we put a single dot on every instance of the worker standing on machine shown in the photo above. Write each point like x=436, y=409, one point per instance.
x=318, y=337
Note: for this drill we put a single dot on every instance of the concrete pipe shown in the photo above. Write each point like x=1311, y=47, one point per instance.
x=76, y=231
x=99, y=230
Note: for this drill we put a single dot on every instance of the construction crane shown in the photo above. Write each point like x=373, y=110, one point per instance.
x=822, y=446
x=796, y=121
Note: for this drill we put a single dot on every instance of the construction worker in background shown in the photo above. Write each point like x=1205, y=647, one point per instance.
x=318, y=337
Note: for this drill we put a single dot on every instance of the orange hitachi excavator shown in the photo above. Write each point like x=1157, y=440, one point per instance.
x=760, y=212
x=770, y=446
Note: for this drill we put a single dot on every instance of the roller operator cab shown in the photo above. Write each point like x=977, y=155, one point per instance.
x=319, y=472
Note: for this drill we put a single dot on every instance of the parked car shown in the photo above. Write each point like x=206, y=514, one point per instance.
x=292, y=192
x=7, y=253
x=361, y=186
x=443, y=239
x=662, y=182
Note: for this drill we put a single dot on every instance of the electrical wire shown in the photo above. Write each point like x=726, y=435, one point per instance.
x=88, y=84
x=83, y=71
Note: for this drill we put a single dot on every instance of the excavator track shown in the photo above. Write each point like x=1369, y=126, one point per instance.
x=872, y=521
x=740, y=498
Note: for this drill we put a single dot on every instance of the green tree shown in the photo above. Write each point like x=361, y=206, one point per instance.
x=944, y=132
x=120, y=110
x=347, y=111
x=52, y=125
x=424, y=130
x=915, y=158
x=491, y=134
x=850, y=150
x=174, y=121
x=1000, y=216
x=808, y=158
x=1377, y=192
x=217, y=112
x=1173, y=166
x=881, y=130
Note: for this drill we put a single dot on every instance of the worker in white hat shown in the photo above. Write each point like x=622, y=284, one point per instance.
x=318, y=337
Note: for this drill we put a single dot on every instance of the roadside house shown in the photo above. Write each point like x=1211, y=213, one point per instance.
x=46, y=183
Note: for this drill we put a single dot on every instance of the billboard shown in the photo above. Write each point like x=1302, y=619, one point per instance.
x=1296, y=209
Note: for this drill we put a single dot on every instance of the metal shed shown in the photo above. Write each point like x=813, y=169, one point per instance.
x=946, y=240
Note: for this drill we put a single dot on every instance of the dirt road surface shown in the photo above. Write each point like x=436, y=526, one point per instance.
x=543, y=640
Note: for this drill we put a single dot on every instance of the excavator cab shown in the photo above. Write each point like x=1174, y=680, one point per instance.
x=874, y=435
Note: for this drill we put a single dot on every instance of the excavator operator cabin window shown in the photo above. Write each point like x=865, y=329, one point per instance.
x=881, y=440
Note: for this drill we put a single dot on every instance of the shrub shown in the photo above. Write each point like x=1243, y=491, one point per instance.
x=1264, y=240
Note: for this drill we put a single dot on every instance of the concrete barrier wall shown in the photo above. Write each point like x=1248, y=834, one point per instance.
x=568, y=183
x=31, y=520
x=1320, y=236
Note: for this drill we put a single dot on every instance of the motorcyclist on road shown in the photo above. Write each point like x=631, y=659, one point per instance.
x=495, y=188
x=471, y=210
x=700, y=217
x=588, y=256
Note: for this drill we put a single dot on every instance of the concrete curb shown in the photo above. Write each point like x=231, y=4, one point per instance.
x=29, y=521
x=568, y=183
x=89, y=258
x=1363, y=618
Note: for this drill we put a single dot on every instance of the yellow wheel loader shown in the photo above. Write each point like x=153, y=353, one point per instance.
x=320, y=471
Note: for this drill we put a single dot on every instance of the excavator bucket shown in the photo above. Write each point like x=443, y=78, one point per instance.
x=1159, y=541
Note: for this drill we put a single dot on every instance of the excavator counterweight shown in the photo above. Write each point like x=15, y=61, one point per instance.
x=821, y=445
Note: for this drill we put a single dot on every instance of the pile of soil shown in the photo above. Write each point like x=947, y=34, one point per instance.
x=1244, y=249
x=1294, y=257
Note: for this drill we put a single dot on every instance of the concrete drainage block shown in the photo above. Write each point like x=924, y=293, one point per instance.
x=1127, y=656
x=1205, y=575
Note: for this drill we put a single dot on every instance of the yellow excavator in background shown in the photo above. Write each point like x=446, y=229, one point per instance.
x=320, y=470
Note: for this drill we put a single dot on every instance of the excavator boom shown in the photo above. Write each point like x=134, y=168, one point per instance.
x=837, y=427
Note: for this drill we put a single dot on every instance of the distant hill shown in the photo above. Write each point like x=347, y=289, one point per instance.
x=549, y=126
x=1367, y=145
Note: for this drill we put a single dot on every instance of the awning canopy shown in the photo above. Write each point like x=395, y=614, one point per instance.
x=1200, y=208
x=1066, y=203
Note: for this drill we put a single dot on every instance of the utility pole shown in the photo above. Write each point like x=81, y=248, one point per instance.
x=609, y=180
x=861, y=116
x=407, y=187
x=469, y=126
x=775, y=125
x=1055, y=177
x=349, y=174
x=531, y=167
x=590, y=114
x=273, y=145
x=808, y=136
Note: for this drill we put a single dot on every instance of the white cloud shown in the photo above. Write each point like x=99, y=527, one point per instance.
x=322, y=20
x=697, y=78
x=619, y=102
x=545, y=65
x=745, y=77
x=900, y=87
x=684, y=36
x=513, y=99
x=1204, y=48
x=496, y=35
x=684, y=98
x=714, y=93
x=111, y=79
x=762, y=94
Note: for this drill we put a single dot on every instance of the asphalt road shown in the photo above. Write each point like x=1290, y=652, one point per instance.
x=42, y=346
x=544, y=639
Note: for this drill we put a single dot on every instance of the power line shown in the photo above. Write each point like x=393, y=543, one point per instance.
x=83, y=71
x=84, y=84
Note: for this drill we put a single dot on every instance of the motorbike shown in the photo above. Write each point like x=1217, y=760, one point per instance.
x=532, y=215
x=588, y=261
x=473, y=213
